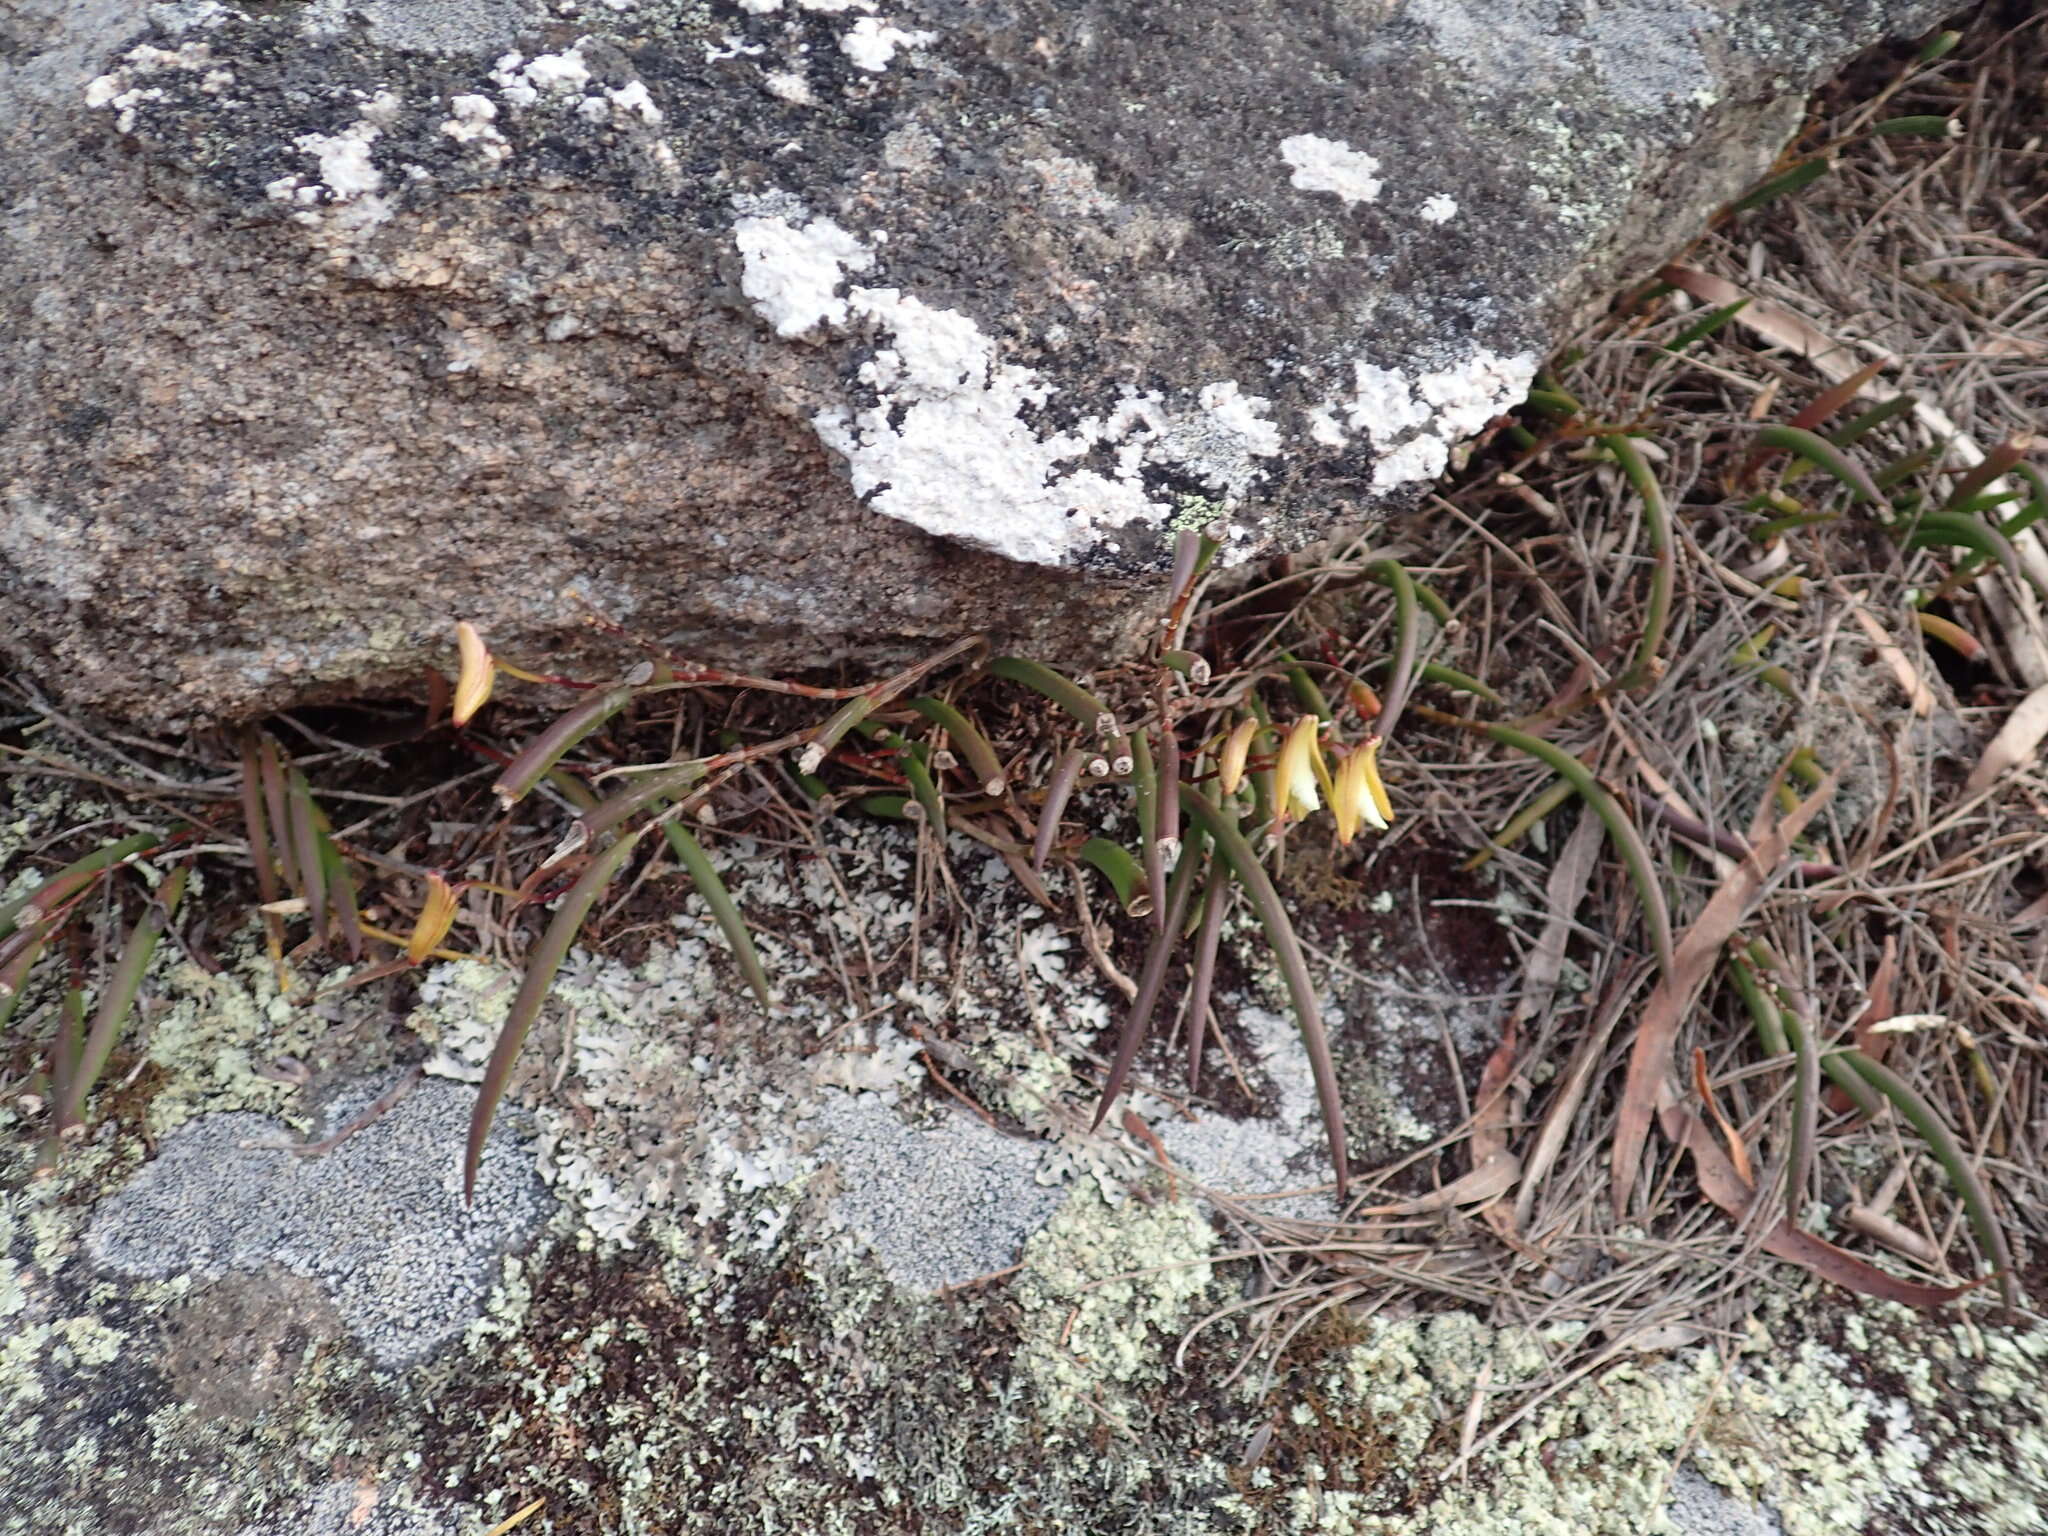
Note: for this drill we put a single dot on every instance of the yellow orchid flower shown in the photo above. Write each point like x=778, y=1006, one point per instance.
x=1300, y=755
x=1360, y=796
x=479, y=670
x=1236, y=748
x=437, y=915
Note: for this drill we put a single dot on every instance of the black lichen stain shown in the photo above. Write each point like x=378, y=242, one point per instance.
x=171, y=1413
x=810, y=1401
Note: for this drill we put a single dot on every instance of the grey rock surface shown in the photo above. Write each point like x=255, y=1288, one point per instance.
x=377, y=1222
x=785, y=331
x=717, y=1310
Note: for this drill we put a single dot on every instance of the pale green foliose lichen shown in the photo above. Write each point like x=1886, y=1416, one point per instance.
x=1105, y=1294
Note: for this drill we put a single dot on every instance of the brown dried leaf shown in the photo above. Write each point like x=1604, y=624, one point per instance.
x=1564, y=891
x=1779, y=327
x=1870, y=1042
x=1490, y=1118
x=1738, y=1154
x=1910, y=681
x=1835, y=396
x=1489, y=1181
x=1720, y=1183
x=1490, y=1130
x=2017, y=741
x=1696, y=955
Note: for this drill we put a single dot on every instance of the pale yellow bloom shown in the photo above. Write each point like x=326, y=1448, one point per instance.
x=1230, y=765
x=473, y=682
x=1300, y=755
x=437, y=915
x=1360, y=796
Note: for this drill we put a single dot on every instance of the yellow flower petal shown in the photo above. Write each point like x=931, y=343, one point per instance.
x=1360, y=797
x=473, y=683
x=1297, y=769
x=1230, y=764
x=437, y=916
x=1345, y=800
x=1382, y=815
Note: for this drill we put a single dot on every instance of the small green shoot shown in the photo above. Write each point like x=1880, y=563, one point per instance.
x=1251, y=876
x=724, y=911
x=1657, y=521
x=1126, y=878
x=117, y=998
x=1802, y=175
x=541, y=965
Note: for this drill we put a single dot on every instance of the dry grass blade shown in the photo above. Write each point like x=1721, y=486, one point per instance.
x=827, y=737
x=1933, y=1130
x=258, y=826
x=18, y=955
x=724, y=911
x=1492, y=1111
x=1150, y=980
x=1777, y=326
x=1232, y=848
x=39, y=903
x=341, y=890
x=1911, y=683
x=2016, y=742
x=1720, y=1183
x=277, y=802
x=538, y=757
x=646, y=793
x=1488, y=1181
x=67, y=1050
x=1648, y=1085
x=303, y=832
x=541, y=965
x=1835, y=396
x=118, y=997
x=517, y=1518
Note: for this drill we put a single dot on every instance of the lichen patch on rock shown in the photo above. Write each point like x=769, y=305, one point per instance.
x=378, y=1220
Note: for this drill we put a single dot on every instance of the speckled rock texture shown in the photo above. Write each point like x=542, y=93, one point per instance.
x=733, y=1273
x=785, y=331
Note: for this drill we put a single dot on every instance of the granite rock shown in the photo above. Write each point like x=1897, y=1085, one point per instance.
x=786, y=332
